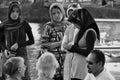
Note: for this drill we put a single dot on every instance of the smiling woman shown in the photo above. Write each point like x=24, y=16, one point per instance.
x=13, y=35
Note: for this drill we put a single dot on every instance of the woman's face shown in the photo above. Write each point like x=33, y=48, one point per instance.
x=15, y=13
x=22, y=69
x=57, y=14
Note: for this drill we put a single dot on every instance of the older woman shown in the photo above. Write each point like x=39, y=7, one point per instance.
x=46, y=66
x=15, y=68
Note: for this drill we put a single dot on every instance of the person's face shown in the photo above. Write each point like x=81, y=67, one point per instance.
x=57, y=14
x=15, y=13
x=92, y=66
x=22, y=69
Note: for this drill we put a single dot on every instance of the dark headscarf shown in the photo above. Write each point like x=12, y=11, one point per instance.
x=9, y=21
x=85, y=21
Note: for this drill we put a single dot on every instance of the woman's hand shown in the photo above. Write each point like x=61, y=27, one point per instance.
x=8, y=54
x=68, y=46
x=14, y=47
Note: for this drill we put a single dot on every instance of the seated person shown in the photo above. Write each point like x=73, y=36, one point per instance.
x=46, y=66
x=14, y=68
x=96, y=69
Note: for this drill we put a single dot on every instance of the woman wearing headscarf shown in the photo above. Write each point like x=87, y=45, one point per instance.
x=54, y=32
x=78, y=41
x=72, y=7
x=13, y=41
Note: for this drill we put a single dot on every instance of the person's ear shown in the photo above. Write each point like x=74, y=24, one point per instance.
x=100, y=63
x=19, y=69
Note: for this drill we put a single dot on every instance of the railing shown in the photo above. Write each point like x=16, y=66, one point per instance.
x=108, y=50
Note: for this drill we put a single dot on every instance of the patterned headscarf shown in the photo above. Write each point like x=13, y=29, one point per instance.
x=58, y=5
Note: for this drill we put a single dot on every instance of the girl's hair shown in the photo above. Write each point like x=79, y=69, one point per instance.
x=12, y=64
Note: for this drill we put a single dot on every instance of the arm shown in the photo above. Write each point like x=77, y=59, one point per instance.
x=2, y=45
x=90, y=40
x=65, y=40
x=2, y=39
x=29, y=34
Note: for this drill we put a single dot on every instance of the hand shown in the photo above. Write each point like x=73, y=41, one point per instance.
x=68, y=46
x=8, y=54
x=14, y=47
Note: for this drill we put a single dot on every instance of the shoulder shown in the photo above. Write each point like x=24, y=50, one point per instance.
x=106, y=75
x=25, y=24
x=90, y=76
x=90, y=32
x=51, y=24
x=24, y=21
x=48, y=25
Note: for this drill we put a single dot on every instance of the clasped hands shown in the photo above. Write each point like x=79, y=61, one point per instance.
x=14, y=47
x=68, y=46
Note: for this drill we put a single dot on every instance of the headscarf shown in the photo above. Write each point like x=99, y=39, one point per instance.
x=9, y=21
x=73, y=7
x=57, y=5
x=85, y=21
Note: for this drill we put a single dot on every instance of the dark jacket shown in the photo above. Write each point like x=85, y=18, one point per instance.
x=10, y=34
